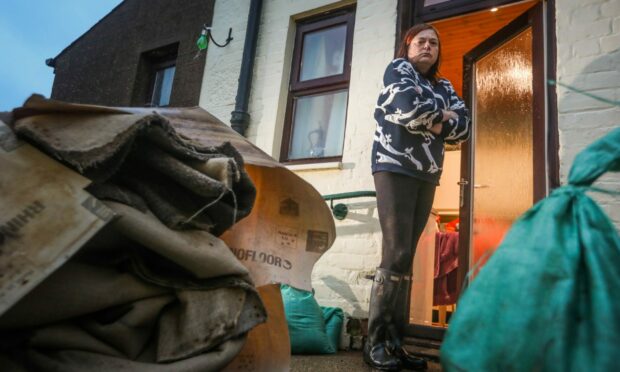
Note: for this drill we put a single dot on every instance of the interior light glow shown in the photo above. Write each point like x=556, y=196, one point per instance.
x=494, y=9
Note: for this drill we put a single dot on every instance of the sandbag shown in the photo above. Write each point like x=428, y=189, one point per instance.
x=306, y=325
x=334, y=317
x=547, y=300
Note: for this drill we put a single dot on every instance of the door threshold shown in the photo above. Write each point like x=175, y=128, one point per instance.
x=425, y=348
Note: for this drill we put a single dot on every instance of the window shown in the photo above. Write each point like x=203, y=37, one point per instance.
x=155, y=77
x=319, y=89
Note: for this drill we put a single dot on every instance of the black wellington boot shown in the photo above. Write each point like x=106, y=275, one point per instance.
x=399, y=322
x=377, y=354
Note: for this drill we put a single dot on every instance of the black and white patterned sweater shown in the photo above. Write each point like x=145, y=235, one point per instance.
x=407, y=107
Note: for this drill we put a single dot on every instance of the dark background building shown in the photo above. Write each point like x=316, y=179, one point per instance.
x=143, y=53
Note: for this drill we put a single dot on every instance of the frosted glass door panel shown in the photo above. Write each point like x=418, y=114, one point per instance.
x=323, y=53
x=503, y=147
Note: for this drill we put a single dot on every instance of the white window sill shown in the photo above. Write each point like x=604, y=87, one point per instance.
x=315, y=166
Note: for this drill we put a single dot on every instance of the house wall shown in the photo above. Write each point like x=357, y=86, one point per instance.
x=222, y=67
x=338, y=277
x=588, y=52
x=588, y=33
x=102, y=66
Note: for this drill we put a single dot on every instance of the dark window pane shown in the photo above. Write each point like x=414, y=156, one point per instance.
x=323, y=53
x=163, y=86
x=318, y=125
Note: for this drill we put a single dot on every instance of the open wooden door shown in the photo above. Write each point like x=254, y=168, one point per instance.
x=503, y=170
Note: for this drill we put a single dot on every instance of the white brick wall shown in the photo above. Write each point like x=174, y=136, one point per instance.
x=338, y=277
x=219, y=85
x=588, y=37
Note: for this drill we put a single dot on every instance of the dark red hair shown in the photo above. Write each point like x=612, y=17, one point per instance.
x=433, y=73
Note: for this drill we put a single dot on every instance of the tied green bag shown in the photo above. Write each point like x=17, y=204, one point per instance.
x=549, y=297
x=334, y=317
x=311, y=328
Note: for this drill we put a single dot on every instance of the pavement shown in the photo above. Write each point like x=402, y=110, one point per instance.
x=343, y=361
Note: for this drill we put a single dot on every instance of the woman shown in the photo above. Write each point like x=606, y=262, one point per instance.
x=416, y=113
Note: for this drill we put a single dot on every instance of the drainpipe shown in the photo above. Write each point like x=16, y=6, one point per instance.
x=240, y=118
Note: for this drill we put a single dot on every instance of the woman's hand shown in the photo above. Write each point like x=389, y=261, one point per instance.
x=447, y=115
x=436, y=129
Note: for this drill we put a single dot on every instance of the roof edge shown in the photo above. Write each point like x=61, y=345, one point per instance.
x=53, y=60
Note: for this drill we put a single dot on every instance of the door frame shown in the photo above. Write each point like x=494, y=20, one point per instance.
x=407, y=16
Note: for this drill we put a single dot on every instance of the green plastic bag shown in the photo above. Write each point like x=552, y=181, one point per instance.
x=306, y=325
x=549, y=297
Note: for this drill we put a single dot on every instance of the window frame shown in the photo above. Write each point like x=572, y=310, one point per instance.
x=298, y=89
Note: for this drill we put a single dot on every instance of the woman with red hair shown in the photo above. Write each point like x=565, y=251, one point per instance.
x=416, y=114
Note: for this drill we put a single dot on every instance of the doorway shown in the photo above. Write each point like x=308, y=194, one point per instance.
x=495, y=60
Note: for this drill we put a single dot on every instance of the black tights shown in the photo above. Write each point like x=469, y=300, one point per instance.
x=404, y=204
